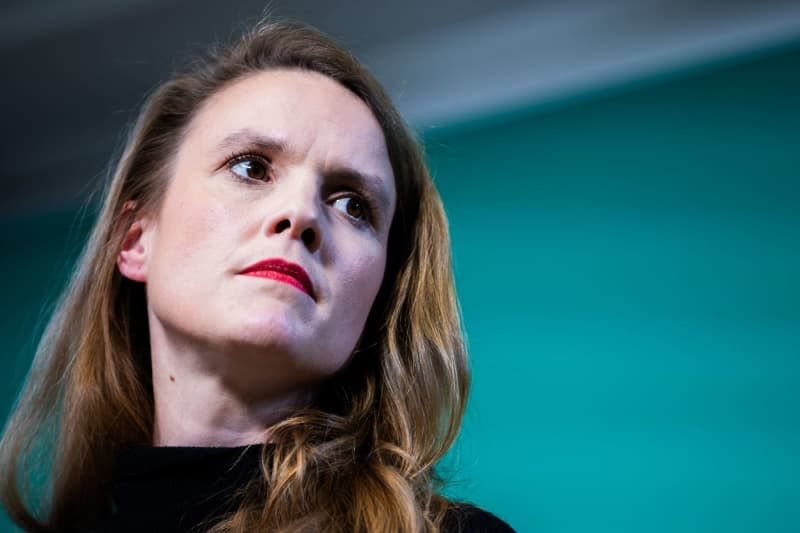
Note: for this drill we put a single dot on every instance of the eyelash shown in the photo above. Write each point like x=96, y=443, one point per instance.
x=362, y=196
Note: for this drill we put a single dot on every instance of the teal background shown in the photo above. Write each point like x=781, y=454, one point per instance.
x=627, y=265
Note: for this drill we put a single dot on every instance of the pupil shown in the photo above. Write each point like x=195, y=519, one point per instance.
x=253, y=169
x=354, y=208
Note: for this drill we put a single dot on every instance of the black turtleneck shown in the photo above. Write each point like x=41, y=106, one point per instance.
x=176, y=489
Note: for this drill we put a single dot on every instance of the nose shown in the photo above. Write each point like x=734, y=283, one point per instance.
x=298, y=218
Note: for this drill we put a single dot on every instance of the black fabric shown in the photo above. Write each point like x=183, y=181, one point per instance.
x=173, y=489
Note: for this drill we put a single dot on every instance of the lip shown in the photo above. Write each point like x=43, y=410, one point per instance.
x=281, y=270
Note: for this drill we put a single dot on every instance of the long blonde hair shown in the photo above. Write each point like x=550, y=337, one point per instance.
x=379, y=427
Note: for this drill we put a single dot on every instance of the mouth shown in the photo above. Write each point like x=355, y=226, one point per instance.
x=284, y=271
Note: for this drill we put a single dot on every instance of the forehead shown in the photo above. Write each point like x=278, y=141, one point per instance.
x=307, y=112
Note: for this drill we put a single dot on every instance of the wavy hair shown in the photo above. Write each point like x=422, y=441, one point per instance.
x=378, y=428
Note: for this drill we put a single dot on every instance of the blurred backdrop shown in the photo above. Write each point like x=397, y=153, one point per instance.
x=623, y=185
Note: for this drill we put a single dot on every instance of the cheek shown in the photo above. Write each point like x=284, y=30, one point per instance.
x=191, y=227
x=358, y=282
x=361, y=281
x=192, y=242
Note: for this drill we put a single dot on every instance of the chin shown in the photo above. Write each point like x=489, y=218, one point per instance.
x=270, y=331
x=280, y=332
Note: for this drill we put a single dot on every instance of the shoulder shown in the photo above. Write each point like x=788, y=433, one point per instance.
x=467, y=518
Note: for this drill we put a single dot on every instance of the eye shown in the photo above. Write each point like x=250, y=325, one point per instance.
x=352, y=206
x=250, y=167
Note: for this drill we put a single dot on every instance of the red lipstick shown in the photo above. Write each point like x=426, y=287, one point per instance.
x=281, y=270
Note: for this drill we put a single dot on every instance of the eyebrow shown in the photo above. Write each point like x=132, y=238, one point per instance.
x=252, y=139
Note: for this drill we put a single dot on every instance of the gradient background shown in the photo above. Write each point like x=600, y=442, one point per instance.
x=627, y=257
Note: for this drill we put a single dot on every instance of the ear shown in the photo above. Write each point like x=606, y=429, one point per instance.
x=133, y=256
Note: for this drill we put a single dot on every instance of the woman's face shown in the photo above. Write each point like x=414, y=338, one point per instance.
x=286, y=166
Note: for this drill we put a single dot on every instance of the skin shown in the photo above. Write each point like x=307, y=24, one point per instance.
x=231, y=353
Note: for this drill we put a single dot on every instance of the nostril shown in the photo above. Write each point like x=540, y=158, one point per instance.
x=308, y=237
x=282, y=225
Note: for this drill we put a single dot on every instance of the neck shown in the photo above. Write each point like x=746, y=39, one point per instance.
x=207, y=396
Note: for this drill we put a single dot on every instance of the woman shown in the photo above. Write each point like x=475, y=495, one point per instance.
x=262, y=332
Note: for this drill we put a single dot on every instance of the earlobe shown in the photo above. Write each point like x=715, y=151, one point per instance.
x=132, y=258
